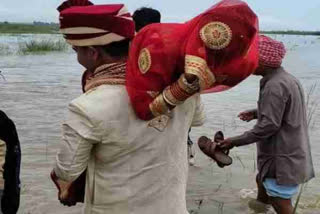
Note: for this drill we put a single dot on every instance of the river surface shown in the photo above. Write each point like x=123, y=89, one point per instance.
x=37, y=89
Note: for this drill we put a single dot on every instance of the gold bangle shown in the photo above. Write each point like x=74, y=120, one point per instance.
x=169, y=98
x=179, y=93
x=158, y=106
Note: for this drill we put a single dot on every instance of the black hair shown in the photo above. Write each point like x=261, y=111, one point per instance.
x=145, y=16
x=117, y=49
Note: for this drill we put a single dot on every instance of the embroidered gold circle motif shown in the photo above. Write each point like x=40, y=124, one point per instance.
x=144, y=60
x=216, y=35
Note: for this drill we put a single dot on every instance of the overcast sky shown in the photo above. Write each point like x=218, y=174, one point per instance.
x=274, y=14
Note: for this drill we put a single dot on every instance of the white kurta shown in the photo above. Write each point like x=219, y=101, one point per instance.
x=134, y=166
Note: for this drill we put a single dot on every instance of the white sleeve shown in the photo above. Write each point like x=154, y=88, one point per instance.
x=79, y=135
x=199, y=115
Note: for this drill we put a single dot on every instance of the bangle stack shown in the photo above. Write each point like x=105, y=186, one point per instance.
x=179, y=91
x=174, y=95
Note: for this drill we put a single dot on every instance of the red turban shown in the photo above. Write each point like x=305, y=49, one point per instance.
x=219, y=46
x=85, y=24
x=271, y=52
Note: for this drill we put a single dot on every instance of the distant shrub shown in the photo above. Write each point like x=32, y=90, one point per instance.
x=17, y=28
x=41, y=46
x=293, y=32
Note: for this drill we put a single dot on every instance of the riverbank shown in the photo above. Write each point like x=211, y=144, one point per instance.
x=53, y=28
x=293, y=32
x=21, y=28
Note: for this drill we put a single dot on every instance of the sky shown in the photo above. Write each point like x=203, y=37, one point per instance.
x=273, y=14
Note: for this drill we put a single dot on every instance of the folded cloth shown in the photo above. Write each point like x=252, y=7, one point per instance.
x=280, y=191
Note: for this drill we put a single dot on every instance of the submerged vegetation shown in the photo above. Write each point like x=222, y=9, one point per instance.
x=34, y=46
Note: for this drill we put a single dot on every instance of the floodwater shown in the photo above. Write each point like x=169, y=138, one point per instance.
x=38, y=88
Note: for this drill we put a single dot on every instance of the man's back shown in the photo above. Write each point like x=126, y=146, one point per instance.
x=138, y=166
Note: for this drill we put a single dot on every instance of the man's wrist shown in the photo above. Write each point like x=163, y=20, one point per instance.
x=237, y=141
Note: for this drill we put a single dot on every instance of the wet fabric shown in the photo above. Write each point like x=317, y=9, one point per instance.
x=280, y=191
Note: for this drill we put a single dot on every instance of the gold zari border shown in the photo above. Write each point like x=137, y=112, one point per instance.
x=197, y=66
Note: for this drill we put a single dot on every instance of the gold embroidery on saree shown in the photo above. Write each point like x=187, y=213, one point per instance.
x=216, y=35
x=144, y=60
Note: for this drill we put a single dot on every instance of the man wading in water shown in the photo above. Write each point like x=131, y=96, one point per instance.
x=281, y=132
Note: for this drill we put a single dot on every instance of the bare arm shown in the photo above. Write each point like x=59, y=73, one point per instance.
x=272, y=108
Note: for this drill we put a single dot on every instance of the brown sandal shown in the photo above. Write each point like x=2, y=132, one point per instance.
x=210, y=148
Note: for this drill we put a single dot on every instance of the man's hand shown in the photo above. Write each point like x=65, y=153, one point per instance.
x=63, y=190
x=247, y=115
x=225, y=144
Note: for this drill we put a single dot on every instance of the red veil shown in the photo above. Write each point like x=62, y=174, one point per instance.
x=219, y=46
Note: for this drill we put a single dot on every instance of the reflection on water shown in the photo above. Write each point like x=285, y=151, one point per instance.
x=38, y=88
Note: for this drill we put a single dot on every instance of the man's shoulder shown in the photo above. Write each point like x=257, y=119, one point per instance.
x=102, y=99
x=280, y=79
x=282, y=84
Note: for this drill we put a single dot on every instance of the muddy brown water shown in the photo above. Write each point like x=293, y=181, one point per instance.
x=37, y=91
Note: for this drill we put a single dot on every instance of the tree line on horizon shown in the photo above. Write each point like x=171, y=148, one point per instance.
x=51, y=27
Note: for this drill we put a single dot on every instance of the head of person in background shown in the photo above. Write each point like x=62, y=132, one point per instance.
x=145, y=16
x=271, y=54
